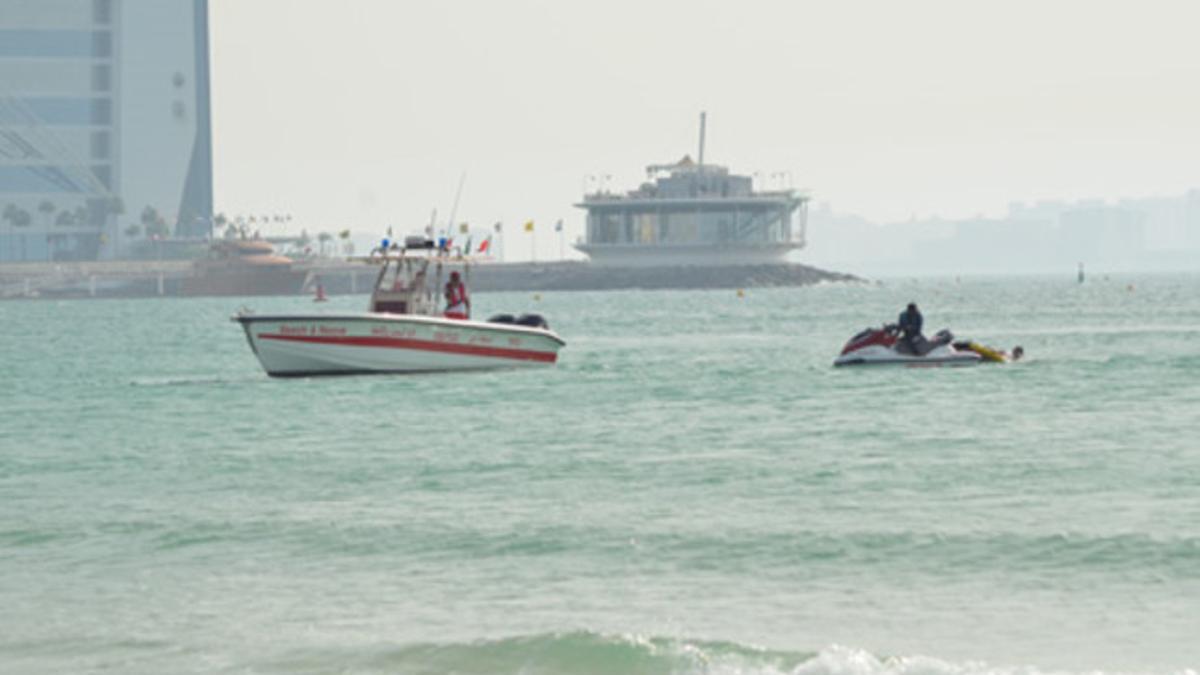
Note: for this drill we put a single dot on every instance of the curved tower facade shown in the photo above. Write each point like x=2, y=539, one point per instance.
x=105, y=133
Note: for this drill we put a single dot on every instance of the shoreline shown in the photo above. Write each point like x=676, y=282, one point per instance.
x=167, y=278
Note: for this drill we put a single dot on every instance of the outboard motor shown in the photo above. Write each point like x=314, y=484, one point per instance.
x=501, y=318
x=532, y=320
x=417, y=241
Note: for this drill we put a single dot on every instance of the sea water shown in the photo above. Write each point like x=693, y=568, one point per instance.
x=692, y=489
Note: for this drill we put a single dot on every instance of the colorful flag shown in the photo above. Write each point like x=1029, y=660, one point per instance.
x=529, y=226
x=483, y=247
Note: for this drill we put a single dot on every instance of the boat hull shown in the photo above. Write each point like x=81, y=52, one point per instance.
x=299, y=346
x=881, y=356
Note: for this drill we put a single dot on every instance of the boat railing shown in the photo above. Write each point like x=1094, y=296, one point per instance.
x=406, y=283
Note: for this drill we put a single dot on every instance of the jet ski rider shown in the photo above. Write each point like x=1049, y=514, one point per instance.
x=909, y=326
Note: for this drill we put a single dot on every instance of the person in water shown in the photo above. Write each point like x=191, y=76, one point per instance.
x=458, y=303
x=910, y=328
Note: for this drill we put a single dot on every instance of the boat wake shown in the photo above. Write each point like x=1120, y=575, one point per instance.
x=192, y=380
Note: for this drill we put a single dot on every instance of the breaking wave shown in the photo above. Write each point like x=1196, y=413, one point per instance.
x=585, y=653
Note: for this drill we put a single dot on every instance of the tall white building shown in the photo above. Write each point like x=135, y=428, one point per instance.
x=104, y=125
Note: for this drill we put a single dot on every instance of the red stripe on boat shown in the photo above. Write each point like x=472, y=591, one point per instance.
x=421, y=345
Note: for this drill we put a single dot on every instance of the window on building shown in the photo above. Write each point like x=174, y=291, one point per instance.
x=102, y=78
x=103, y=173
x=102, y=11
x=101, y=111
x=716, y=226
x=102, y=44
x=100, y=144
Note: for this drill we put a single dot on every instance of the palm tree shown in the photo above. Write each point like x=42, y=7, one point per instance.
x=7, y=216
x=21, y=218
x=153, y=222
x=47, y=209
x=149, y=215
x=115, y=207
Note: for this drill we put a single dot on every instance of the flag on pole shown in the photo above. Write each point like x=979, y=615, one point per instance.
x=529, y=226
x=483, y=247
x=558, y=225
x=498, y=226
x=463, y=228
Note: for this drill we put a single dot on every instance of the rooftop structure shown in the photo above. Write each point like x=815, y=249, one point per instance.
x=690, y=212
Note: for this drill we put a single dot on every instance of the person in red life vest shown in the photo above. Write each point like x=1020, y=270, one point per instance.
x=458, y=303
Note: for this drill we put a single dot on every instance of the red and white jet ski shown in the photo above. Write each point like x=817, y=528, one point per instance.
x=883, y=346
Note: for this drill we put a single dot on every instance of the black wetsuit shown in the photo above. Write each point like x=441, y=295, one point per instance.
x=910, y=330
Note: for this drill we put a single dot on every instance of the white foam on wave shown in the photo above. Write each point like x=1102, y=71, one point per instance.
x=724, y=659
x=841, y=660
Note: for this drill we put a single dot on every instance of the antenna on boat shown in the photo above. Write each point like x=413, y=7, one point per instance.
x=703, y=115
x=454, y=210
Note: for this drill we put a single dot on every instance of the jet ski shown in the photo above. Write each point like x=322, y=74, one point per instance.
x=883, y=346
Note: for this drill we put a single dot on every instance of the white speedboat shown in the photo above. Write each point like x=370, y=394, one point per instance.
x=882, y=346
x=402, y=331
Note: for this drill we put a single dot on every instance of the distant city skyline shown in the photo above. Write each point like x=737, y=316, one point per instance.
x=1114, y=235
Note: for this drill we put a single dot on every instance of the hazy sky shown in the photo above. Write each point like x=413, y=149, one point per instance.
x=363, y=113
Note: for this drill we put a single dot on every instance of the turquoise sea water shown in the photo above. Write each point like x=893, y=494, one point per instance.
x=691, y=489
